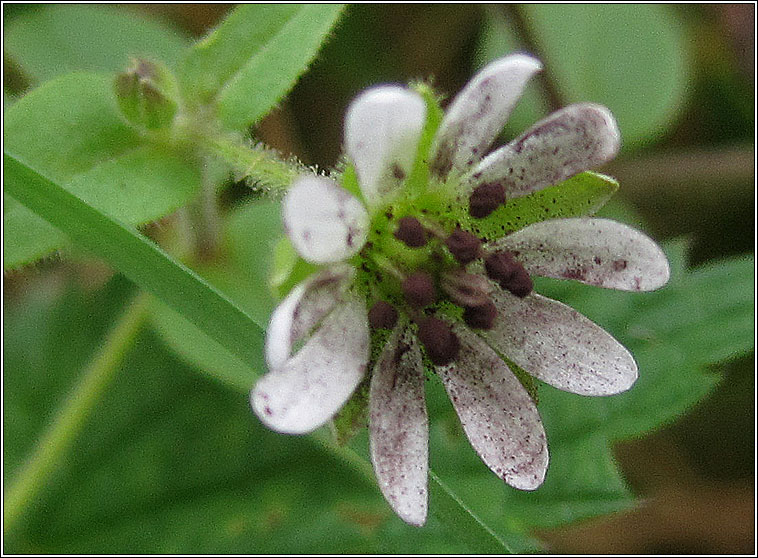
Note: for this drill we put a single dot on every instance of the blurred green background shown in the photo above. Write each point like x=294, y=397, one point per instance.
x=679, y=78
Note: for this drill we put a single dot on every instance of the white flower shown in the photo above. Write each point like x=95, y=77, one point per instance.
x=404, y=257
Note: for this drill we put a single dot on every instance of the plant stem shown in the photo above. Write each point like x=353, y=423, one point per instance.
x=205, y=219
x=519, y=22
x=261, y=167
x=56, y=441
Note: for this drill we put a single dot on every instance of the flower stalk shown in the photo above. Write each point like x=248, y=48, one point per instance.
x=55, y=443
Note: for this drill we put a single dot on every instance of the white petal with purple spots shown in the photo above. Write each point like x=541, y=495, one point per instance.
x=305, y=305
x=559, y=346
x=479, y=112
x=595, y=251
x=498, y=416
x=311, y=386
x=572, y=140
x=323, y=221
x=398, y=426
x=382, y=129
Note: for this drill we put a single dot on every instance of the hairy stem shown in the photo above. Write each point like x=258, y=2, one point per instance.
x=56, y=441
x=263, y=169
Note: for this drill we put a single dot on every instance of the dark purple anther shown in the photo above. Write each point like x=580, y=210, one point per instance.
x=440, y=342
x=485, y=199
x=411, y=232
x=480, y=317
x=520, y=283
x=419, y=290
x=500, y=266
x=463, y=245
x=503, y=268
x=382, y=315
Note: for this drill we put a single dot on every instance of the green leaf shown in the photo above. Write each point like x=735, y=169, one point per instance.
x=138, y=259
x=71, y=130
x=630, y=57
x=254, y=57
x=56, y=39
x=580, y=195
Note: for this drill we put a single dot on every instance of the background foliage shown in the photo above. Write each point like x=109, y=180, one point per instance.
x=172, y=460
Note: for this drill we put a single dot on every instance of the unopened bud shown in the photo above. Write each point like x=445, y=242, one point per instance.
x=440, y=342
x=146, y=95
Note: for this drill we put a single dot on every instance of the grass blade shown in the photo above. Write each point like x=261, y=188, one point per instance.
x=137, y=258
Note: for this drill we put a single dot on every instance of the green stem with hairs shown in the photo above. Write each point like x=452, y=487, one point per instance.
x=260, y=166
x=57, y=440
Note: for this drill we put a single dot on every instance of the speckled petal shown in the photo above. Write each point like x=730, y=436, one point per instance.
x=309, y=388
x=479, y=112
x=498, y=416
x=595, y=251
x=324, y=222
x=575, y=139
x=399, y=428
x=305, y=305
x=559, y=346
x=382, y=129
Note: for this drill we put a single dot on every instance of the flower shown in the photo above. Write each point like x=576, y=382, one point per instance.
x=408, y=264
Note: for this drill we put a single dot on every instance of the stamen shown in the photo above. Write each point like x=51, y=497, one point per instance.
x=382, y=315
x=485, y=199
x=440, y=342
x=464, y=288
x=387, y=266
x=463, y=245
x=419, y=290
x=411, y=232
x=520, y=283
x=480, y=317
x=503, y=268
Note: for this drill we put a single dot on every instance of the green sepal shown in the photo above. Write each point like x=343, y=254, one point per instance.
x=580, y=195
x=353, y=417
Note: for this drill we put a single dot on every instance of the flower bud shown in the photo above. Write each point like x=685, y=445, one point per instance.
x=146, y=94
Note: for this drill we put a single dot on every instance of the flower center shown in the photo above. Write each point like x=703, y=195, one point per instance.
x=415, y=263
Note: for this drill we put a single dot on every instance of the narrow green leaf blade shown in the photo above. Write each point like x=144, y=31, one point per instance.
x=267, y=76
x=462, y=521
x=138, y=259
